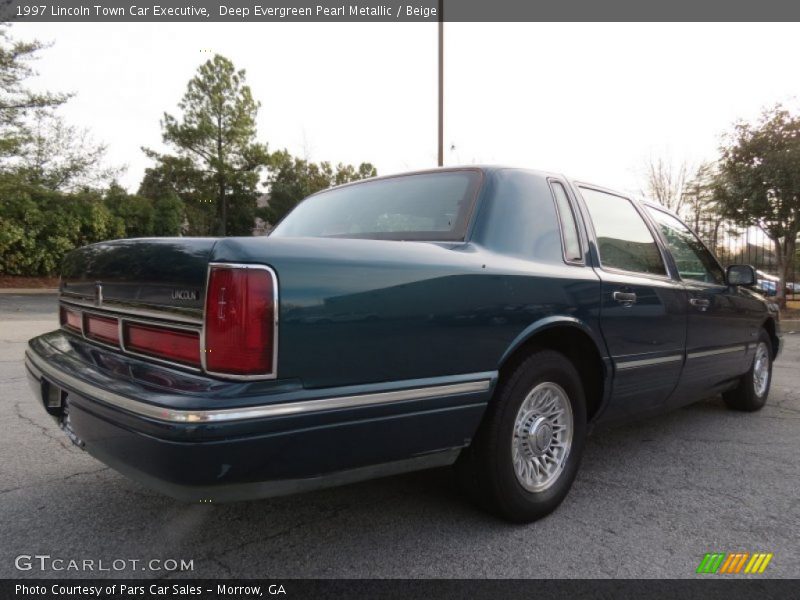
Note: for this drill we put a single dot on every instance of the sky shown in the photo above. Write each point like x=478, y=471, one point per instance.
x=592, y=101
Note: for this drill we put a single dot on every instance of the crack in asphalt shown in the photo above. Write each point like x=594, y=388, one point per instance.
x=623, y=486
x=322, y=517
x=45, y=431
x=742, y=442
x=81, y=473
x=14, y=489
x=52, y=480
x=278, y=534
x=216, y=559
x=781, y=404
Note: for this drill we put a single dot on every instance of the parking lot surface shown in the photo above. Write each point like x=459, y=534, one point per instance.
x=651, y=498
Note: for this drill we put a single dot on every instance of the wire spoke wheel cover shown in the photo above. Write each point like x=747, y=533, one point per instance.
x=542, y=438
x=761, y=369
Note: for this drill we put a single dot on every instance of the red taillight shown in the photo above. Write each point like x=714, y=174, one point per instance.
x=102, y=329
x=240, y=321
x=167, y=344
x=70, y=319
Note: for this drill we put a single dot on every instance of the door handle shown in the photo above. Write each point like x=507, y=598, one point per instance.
x=624, y=298
x=701, y=303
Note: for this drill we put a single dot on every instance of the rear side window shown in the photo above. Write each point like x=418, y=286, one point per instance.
x=569, y=229
x=623, y=239
x=425, y=206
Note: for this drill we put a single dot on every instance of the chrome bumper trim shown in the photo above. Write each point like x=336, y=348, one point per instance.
x=32, y=369
x=170, y=415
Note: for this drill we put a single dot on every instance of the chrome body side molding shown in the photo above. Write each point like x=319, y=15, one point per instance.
x=649, y=362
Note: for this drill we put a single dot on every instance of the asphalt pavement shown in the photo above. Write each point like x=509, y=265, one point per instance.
x=651, y=498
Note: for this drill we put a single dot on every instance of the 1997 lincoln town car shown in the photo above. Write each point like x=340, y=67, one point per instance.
x=482, y=317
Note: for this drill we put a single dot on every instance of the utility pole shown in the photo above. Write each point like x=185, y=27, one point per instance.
x=441, y=83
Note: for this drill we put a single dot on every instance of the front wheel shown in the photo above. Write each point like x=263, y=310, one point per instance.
x=526, y=453
x=753, y=388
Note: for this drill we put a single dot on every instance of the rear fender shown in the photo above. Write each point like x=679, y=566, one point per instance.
x=549, y=323
x=561, y=321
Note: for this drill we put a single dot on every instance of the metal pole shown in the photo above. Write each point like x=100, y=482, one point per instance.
x=441, y=83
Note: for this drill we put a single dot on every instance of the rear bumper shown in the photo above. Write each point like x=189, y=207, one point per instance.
x=198, y=438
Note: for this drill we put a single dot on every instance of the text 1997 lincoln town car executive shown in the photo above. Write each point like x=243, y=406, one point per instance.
x=479, y=316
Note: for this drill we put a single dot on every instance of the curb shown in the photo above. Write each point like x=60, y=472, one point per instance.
x=28, y=291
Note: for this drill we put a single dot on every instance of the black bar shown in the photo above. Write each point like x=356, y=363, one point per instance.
x=416, y=11
x=709, y=587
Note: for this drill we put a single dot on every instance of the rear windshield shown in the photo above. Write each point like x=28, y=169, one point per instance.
x=427, y=206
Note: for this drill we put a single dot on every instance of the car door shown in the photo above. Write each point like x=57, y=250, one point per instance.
x=722, y=319
x=643, y=306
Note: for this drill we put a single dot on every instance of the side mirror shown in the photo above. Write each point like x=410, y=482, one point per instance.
x=740, y=275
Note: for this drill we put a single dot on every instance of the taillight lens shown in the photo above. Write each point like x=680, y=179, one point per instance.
x=71, y=319
x=160, y=342
x=102, y=329
x=240, y=321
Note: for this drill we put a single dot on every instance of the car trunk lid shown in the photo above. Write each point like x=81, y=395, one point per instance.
x=158, y=278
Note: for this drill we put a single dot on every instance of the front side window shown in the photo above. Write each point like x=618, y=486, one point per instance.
x=692, y=258
x=425, y=206
x=623, y=239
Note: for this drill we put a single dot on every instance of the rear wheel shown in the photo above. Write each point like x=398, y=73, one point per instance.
x=753, y=388
x=526, y=453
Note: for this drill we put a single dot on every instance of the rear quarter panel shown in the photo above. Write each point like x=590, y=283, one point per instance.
x=363, y=311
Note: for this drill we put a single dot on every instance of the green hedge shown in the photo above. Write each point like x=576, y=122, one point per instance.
x=38, y=226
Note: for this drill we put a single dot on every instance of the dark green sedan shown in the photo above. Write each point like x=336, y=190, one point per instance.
x=484, y=317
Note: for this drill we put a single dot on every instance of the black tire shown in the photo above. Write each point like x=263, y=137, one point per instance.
x=745, y=396
x=486, y=467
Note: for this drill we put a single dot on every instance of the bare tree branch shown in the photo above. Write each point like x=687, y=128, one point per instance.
x=666, y=181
